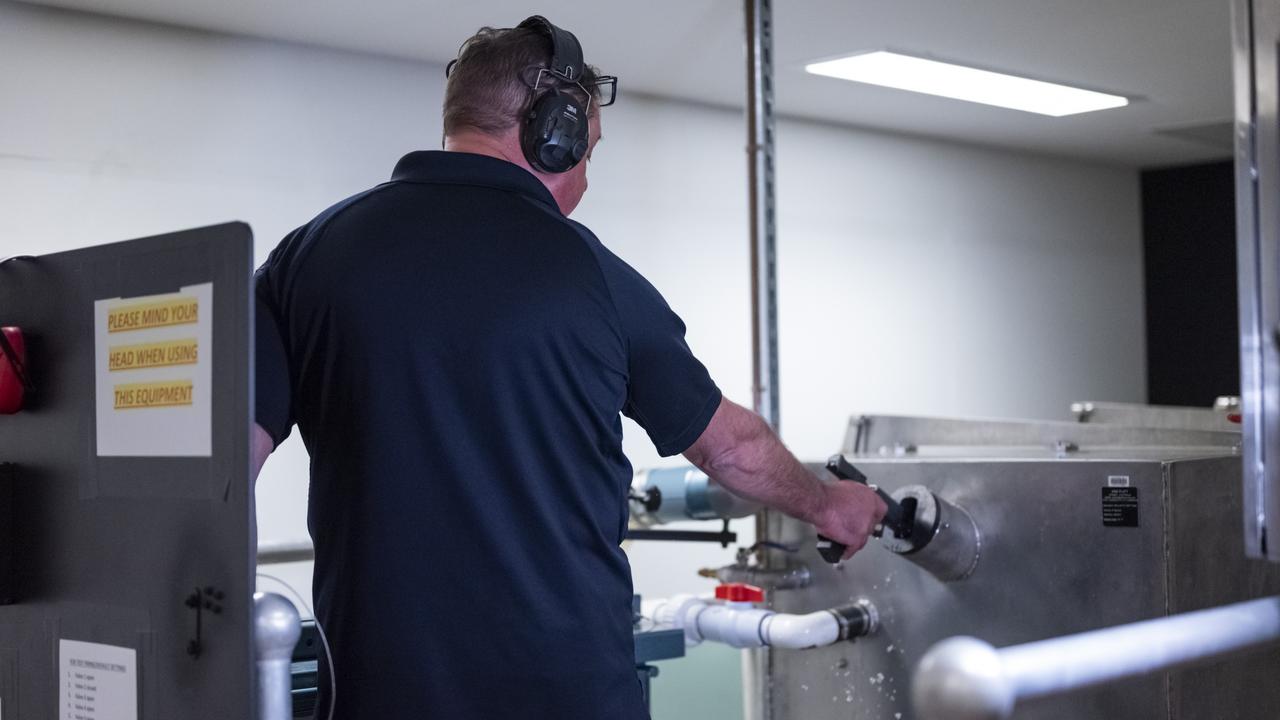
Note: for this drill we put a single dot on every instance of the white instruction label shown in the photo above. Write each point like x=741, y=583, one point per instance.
x=153, y=369
x=97, y=682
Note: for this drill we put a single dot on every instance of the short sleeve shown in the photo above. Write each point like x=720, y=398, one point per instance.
x=669, y=392
x=273, y=403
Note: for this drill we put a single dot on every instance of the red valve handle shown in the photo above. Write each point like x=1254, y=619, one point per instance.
x=739, y=592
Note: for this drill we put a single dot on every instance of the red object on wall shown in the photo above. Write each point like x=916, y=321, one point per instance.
x=13, y=380
x=740, y=592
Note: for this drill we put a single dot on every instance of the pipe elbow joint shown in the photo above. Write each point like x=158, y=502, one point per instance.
x=800, y=632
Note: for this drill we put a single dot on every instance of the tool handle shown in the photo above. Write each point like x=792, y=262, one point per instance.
x=894, y=517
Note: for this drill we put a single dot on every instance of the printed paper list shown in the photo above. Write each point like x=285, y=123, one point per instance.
x=97, y=682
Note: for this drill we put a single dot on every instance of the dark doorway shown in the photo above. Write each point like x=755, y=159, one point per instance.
x=1189, y=243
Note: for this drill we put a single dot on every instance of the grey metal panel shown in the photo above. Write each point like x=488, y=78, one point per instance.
x=1248, y=268
x=1153, y=416
x=1206, y=569
x=884, y=433
x=1256, y=28
x=110, y=547
x=1048, y=567
x=1266, y=64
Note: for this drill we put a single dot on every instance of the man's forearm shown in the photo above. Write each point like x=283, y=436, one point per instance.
x=742, y=453
x=757, y=466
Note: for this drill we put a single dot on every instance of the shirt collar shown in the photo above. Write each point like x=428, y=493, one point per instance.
x=459, y=168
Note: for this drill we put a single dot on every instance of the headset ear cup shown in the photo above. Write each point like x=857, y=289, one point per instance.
x=550, y=157
x=554, y=138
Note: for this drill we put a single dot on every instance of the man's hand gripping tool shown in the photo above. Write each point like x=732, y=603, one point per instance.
x=899, y=519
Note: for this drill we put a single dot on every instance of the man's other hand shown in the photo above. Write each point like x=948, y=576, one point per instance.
x=849, y=512
x=260, y=446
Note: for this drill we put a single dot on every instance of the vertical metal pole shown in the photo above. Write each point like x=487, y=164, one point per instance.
x=276, y=628
x=760, y=143
x=757, y=664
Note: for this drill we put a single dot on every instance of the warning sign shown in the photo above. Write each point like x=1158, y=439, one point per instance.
x=152, y=395
x=152, y=355
x=178, y=311
x=153, y=368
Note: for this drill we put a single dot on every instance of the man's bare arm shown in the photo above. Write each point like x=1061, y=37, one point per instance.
x=260, y=446
x=741, y=452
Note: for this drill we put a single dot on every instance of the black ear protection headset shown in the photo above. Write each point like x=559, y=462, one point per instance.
x=554, y=134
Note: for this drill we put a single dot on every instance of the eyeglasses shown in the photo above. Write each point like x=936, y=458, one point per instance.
x=605, y=86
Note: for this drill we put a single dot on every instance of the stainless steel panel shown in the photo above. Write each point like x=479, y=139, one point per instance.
x=1049, y=567
x=1153, y=416
x=898, y=434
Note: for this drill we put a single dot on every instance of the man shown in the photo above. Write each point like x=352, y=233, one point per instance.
x=456, y=353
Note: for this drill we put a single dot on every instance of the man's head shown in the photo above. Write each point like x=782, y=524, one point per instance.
x=495, y=84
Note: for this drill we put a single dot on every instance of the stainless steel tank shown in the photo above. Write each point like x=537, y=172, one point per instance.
x=1072, y=536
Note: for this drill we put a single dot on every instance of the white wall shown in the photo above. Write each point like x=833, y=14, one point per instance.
x=915, y=276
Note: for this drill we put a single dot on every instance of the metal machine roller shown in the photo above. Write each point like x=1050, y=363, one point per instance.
x=685, y=493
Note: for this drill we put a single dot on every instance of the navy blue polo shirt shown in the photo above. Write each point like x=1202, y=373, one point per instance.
x=455, y=353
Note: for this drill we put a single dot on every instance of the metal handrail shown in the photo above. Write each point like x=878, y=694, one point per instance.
x=964, y=678
x=276, y=553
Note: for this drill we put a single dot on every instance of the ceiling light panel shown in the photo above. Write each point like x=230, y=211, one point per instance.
x=904, y=72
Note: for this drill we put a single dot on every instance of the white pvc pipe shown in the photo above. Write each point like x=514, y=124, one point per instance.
x=816, y=629
x=743, y=626
x=738, y=627
x=966, y=679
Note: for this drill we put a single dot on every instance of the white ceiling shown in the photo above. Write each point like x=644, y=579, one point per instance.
x=1172, y=56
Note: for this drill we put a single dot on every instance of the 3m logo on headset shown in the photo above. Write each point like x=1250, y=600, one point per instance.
x=15, y=383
